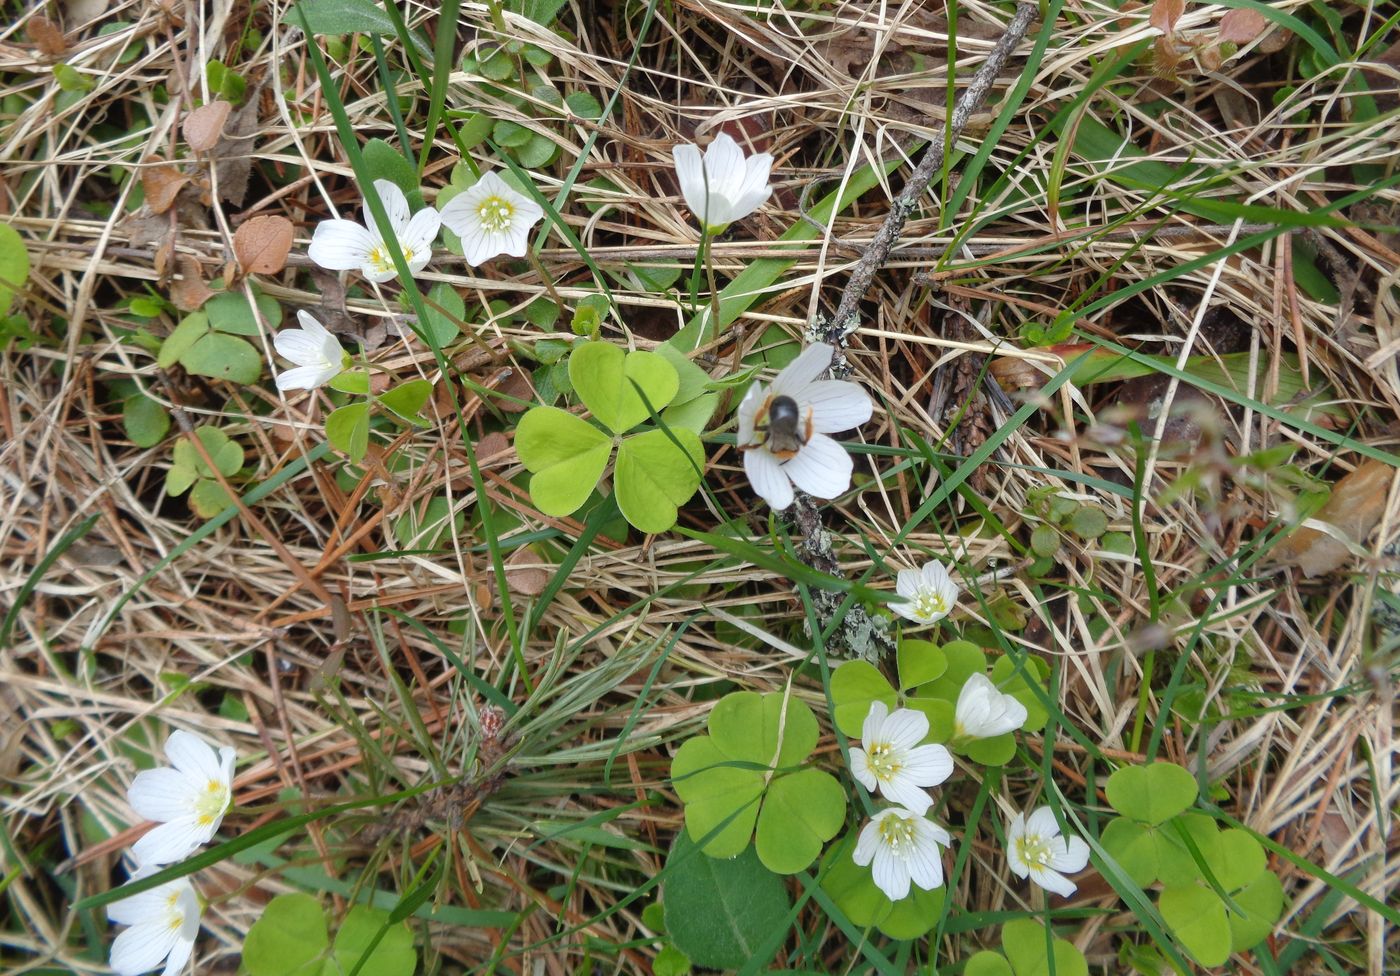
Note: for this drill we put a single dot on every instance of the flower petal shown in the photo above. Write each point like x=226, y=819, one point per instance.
x=298, y=347
x=797, y=375
x=837, y=405
x=690, y=173
x=860, y=769
x=312, y=326
x=902, y=790
x=395, y=205
x=1053, y=882
x=822, y=468
x=724, y=168
x=163, y=794
x=768, y=478
x=421, y=230
x=341, y=245
x=867, y=843
x=305, y=377
x=192, y=756
x=1072, y=858
x=925, y=867
x=142, y=947
x=870, y=728
x=172, y=841
x=929, y=765
x=1042, y=822
x=890, y=874
x=748, y=413
x=905, y=728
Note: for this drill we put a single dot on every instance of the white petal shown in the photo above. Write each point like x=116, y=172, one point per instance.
x=860, y=769
x=311, y=326
x=163, y=794
x=724, y=168
x=905, y=728
x=690, y=173
x=192, y=756
x=755, y=190
x=142, y=947
x=822, y=468
x=395, y=205
x=902, y=790
x=870, y=729
x=925, y=867
x=1051, y=881
x=1072, y=858
x=305, y=377
x=299, y=347
x=767, y=477
x=748, y=412
x=1042, y=822
x=135, y=909
x=455, y=214
x=890, y=874
x=516, y=240
x=906, y=583
x=867, y=842
x=179, y=955
x=929, y=765
x=420, y=232
x=172, y=841
x=837, y=405
x=797, y=375
x=341, y=245
x=379, y=275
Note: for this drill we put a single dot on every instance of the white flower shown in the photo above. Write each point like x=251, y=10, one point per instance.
x=783, y=428
x=491, y=218
x=723, y=186
x=164, y=923
x=317, y=354
x=904, y=847
x=893, y=760
x=1035, y=848
x=188, y=800
x=930, y=593
x=983, y=712
x=343, y=245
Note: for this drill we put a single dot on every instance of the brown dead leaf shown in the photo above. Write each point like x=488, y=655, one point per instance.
x=188, y=291
x=1165, y=14
x=1242, y=25
x=47, y=35
x=1355, y=506
x=233, y=156
x=516, y=384
x=492, y=448
x=262, y=243
x=204, y=127
x=162, y=184
x=524, y=574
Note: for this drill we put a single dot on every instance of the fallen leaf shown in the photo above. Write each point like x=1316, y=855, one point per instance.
x=1165, y=14
x=261, y=244
x=162, y=184
x=204, y=126
x=492, y=448
x=47, y=35
x=188, y=291
x=1354, y=508
x=233, y=156
x=524, y=574
x=1242, y=25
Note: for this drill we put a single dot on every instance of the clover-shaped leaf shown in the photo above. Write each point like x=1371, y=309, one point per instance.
x=1153, y=793
x=920, y=662
x=1196, y=917
x=1260, y=904
x=654, y=476
x=1158, y=852
x=739, y=774
x=607, y=380
x=853, y=889
x=566, y=455
x=1024, y=942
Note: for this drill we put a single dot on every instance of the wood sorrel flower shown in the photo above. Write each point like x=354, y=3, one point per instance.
x=317, y=354
x=491, y=218
x=983, y=712
x=783, y=428
x=188, y=800
x=929, y=593
x=722, y=186
x=901, y=846
x=343, y=245
x=1035, y=849
x=893, y=761
x=164, y=924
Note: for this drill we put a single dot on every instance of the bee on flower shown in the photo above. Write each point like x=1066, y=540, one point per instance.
x=345, y=245
x=783, y=430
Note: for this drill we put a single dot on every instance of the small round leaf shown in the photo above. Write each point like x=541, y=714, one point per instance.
x=1152, y=793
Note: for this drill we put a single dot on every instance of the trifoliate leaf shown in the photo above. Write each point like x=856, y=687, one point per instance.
x=1196, y=916
x=223, y=357
x=407, y=399
x=604, y=377
x=567, y=456
x=1151, y=793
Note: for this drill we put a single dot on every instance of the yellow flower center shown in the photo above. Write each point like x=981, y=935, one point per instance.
x=382, y=262
x=896, y=831
x=929, y=604
x=212, y=802
x=495, y=213
x=883, y=764
x=1033, y=849
x=175, y=918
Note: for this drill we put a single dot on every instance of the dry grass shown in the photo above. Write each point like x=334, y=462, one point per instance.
x=232, y=636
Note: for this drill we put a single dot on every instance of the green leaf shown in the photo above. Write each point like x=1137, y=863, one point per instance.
x=428, y=529
x=987, y=963
x=604, y=376
x=1239, y=859
x=145, y=421
x=348, y=430
x=565, y=454
x=653, y=477
x=693, y=415
x=853, y=889
x=442, y=326
x=14, y=266
x=721, y=801
x=393, y=956
x=996, y=751
x=801, y=812
x=1261, y=903
x=226, y=454
x=352, y=381
x=1089, y=522
x=511, y=135
x=722, y=913
x=473, y=132
x=1196, y=917
x=773, y=730
x=348, y=17
x=854, y=685
x=537, y=152
x=964, y=659
x=191, y=329
x=1138, y=849
x=223, y=357
x=670, y=961
x=584, y=105
x=209, y=498
x=1152, y=793
x=1024, y=942
x=231, y=312
x=920, y=662
x=288, y=939
x=407, y=399
x=541, y=12
x=1045, y=541
x=1178, y=864
x=384, y=162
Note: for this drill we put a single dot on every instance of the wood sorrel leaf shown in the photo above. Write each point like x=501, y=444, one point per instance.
x=565, y=454
x=1152, y=793
x=348, y=430
x=654, y=477
x=604, y=376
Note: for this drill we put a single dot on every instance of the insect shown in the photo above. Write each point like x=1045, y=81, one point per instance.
x=786, y=430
